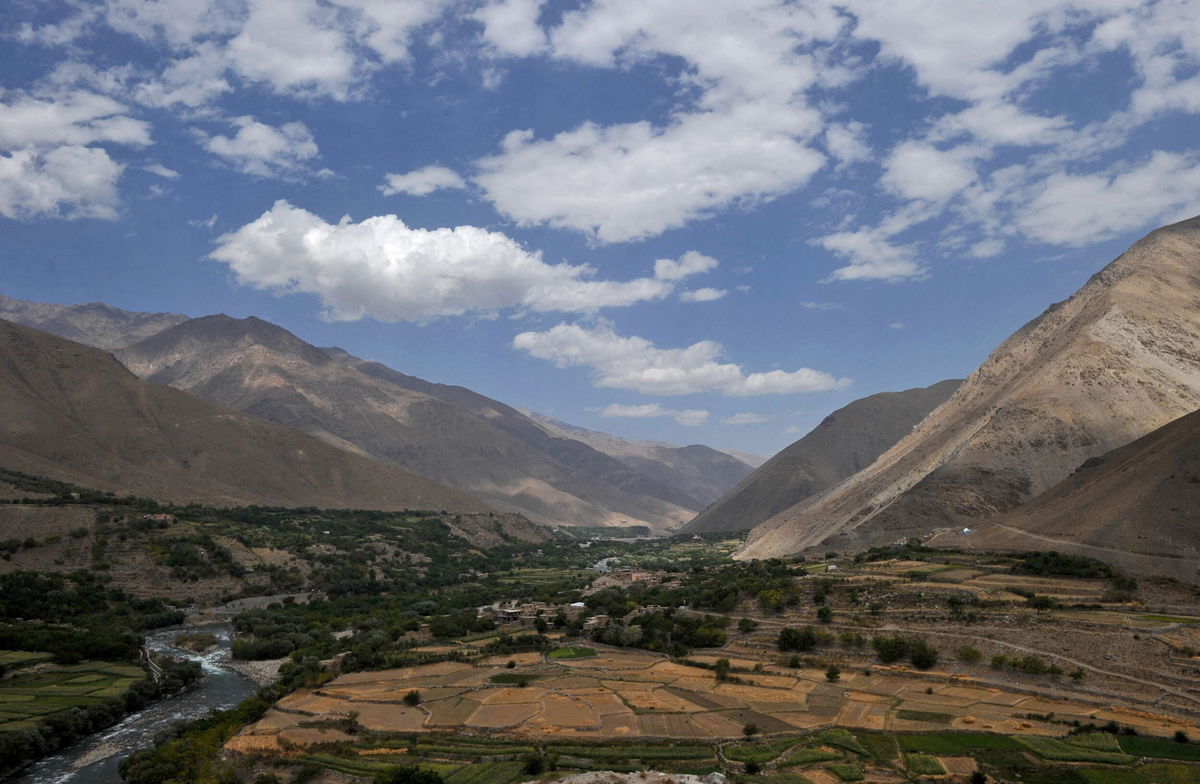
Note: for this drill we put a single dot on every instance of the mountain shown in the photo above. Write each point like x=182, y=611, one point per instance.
x=71, y=412
x=1118, y=359
x=846, y=441
x=700, y=471
x=1137, y=506
x=449, y=434
x=93, y=324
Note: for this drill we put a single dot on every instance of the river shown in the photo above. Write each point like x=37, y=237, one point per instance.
x=94, y=759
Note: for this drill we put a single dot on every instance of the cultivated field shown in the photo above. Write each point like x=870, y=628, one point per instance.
x=27, y=697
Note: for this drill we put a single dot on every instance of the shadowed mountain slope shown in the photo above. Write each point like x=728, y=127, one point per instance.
x=1118, y=359
x=73, y=413
x=448, y=434
x=846, y=441
x=1137, y=506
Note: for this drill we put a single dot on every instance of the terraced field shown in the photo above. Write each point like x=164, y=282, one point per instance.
x=626, y=694
x=28, y=697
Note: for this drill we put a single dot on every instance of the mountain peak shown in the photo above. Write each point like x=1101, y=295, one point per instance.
x=1114, y=361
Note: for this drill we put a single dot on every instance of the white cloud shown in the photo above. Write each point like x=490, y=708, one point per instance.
x=511, y=26
x=846, y=142
x=193, y=81
x=745, y=138
x=895, y=325
x=387, y=26
x=178, y=22
x=689, y=417
x=1075, y=210
x=158, y=170
x=822, y=305
x=294, y=47
x=746, y=418
x=206, y=223
x=920, y=171
x=382, y=268
x=74, y=117
x=64, y=182
x=872, y=256
x=634, y=363
x=690, y=263
x=702, y=295
x=632, y=181
x=263, y=150
x=421, y=182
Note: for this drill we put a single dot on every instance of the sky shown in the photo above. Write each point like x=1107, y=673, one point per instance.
x=696, y=221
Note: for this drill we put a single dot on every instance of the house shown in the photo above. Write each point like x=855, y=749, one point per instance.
x=595, y=622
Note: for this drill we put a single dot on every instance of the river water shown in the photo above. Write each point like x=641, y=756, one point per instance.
x=94, y=759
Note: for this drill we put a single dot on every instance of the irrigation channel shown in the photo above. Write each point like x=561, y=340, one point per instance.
x=94, y=759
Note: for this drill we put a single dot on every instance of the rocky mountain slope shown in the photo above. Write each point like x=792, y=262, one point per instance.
x=449, y=434
x=700, y=471
x=1118, y=359
x=846, y=441
x=1137, y=506
x=73, y=413
x=93, y=324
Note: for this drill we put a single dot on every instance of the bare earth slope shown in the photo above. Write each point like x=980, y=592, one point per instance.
x=448, y=434
x=846, y=441
x=74, y=413
x=1117, y=360
x=93, y=323
x=700, y=471
x=1141, y=499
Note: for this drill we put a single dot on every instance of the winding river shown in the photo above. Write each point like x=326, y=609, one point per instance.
x=94, y=759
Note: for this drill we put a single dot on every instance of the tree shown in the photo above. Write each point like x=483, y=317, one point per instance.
x=407, y=775
x=824, y=614
x=923, y=655
x=722, y=670
x=747, y=625
x=750, y=730
x=833, y=674
x=413, y=698
x=534, y=765
x=977, y=777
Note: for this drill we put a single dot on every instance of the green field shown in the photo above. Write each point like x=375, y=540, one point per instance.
x=28, y=697
x=572, y=653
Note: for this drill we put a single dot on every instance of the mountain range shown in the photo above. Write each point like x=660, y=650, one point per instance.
x=1117, y=360
x=73, y=413
x=504, y=457
x=845, y=442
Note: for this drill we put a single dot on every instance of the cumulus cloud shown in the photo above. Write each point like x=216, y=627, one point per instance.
x=745, y=138
x=511, y=26
x=915, y=170
x=421, y=182
x=263, y=150
x=636, y=364
x=384, y=269
x=72, y=117
x=63, y=182
x=690, y=417
x=702, y=295
x=746, y=418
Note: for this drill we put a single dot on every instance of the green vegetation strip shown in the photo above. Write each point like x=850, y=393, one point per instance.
x=924, y=765
x=572, y=653
x=760, y=753
x=955, y=744
x=1061, y=751
x=842, y=739
x=1157, y=747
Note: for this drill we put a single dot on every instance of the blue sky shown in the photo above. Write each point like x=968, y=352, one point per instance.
x=691, y=221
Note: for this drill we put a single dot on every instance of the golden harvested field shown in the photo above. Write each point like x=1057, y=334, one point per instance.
x=635, y=693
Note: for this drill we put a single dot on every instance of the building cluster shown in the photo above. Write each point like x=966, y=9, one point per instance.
x=527, y=613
